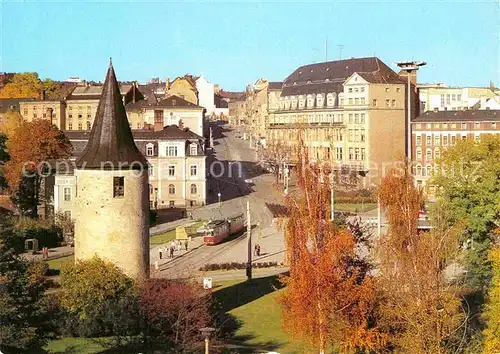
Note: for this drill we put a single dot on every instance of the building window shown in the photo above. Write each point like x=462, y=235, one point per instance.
x=476, y=125
x=193, y=149
x=463, y=126
x=89, y=116
x=453, y=97
x=436, y=139
x=398, y=89
x=350, y=135
x=493, y=125
x=350, y=100
x=67, y=214
x=419, y=170
x=442, y=100
x=89, y=125
x=80, y=126
x=350, y=118
x=448, y=101
x=194, y=189
x=70, y=116
x=362, y=99
x=356, y=153
x=150, y=170
x=419, y=154
x=459, y=97
x=34, y=115
x=445, y=140
x=171, y=203
x=363, y=135
x=351, y=153
x=419, y=140
x=171, y=150
x=80, y=116
x=393, y=103
x=171, y=170
x=362, y=118
x=338, y=153
x=356, y=118
x=429, y=170
x=363, y=154
x=453, y=139
x=374, y=102
x=67, y=194
x=428, y=155
x=350, y=90
x=25, y=111
x=149, y=150
x=70, y=126
x=118, y=187
x=193, y=169
x=437, y=154
x=387, y=103
x=171, y=189
x=428, y=140
x=151, y=189
x=362, y=89
x=356, y=100
x=386, y=89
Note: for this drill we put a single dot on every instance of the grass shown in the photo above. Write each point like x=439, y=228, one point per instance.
x=355, y=207
x=75, y=345
x=169, y=236
x=58, y=262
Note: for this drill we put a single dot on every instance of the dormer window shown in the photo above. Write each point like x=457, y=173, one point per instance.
x=149, y=150
x=118, y=187
x=193, y=149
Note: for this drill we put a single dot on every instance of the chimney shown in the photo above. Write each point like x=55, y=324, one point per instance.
x=49, y=113
x=435, y=109
x=181, y=124
x=42, y=94
x=133, y=92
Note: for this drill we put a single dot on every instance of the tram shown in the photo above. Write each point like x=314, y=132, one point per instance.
x=217, y=231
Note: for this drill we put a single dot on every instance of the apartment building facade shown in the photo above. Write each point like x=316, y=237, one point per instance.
x=350, y=113
x=81, y=104
x=261, y=100
x=53, y=110
x=237, y=112
x=444, y=98
x=434, y=131
x=172, y=110
x=177, y=169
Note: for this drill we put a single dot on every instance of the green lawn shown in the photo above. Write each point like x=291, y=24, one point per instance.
x=169, y=236
x=58, y=262
x=355, y=207
x=74, y=345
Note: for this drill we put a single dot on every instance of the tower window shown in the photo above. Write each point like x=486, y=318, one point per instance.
x=118, y=187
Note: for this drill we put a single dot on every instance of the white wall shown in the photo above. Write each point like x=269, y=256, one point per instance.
x=205, y=94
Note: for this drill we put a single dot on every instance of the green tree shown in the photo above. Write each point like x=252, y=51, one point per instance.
x=23, y=85
x=94, y=293
x=492, y=310
x=24, y=311
x=469, y=187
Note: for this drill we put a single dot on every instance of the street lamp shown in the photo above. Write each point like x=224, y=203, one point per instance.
x=219, y=195
x=409, y=67
x=206, y=332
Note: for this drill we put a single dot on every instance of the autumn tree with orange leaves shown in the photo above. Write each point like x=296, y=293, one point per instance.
x=32, y=147
x=420, y=305
x=329, y=295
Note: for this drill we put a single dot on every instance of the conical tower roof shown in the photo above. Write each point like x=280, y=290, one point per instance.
x=111, y=144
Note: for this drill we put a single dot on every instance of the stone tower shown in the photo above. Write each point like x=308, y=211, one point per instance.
x=112, y=200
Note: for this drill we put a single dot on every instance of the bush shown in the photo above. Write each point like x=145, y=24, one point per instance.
x=236, y=265
x=97, y=299
x=47, y=234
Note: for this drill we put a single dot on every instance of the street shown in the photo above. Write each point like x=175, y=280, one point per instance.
x=230, y=164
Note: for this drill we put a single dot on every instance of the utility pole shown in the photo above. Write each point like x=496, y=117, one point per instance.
x=249, y=240
x=332, y=198
x=379, y=218
x=341, y=46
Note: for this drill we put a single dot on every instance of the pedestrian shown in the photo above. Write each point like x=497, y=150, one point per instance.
x=160, y=252
x=173, y=246
x=255, y=250
x=258, y=250
x=186, y=244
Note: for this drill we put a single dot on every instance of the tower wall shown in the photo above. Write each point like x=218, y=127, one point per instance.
x=115, y=229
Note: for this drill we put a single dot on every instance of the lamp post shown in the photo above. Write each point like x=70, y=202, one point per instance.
x=219, y=195
x=409, y=67
x=206, y=332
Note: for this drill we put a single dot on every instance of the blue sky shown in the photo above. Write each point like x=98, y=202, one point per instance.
x=235, y=43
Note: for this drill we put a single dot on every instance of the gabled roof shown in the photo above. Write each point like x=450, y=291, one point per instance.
x=110, y=140
x=475, y=115
x=176, y=101
x=93, y=92
x=275, y=85
x=329, y=76
x=169, y=132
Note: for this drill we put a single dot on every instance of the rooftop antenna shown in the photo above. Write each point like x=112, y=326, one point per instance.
x=341, y=46
x=326, y=49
